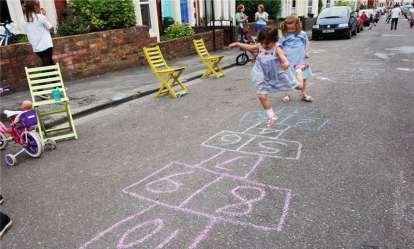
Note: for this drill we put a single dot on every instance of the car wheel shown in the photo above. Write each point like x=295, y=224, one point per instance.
x=315, y=37
x=348, y=34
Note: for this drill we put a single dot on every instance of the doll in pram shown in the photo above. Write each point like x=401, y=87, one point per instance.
x=22, y=131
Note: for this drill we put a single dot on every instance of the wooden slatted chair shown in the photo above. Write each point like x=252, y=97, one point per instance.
x=42, y=80
x=168, y=76
x=210, y=61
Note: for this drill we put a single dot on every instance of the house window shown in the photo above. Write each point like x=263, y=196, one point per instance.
x=310, y=6
x=294, y=4
x=145, y=13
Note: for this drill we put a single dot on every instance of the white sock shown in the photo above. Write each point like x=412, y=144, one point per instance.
x=270, y=113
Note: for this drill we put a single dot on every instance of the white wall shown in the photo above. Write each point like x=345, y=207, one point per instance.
x=17, y=16
x=154, y=30
x=301, y=8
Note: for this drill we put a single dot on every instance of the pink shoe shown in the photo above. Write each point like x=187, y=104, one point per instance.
x=271, y=122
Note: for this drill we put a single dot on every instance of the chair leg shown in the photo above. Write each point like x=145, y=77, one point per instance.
x=161, y=89
x=41, y=126
x=69, y=115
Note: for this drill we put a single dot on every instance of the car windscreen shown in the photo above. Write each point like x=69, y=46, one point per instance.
x=333, y=13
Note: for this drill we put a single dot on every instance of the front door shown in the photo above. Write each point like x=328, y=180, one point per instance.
x=184, y=11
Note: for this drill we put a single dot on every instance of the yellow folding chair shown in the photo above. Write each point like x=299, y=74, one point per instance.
x=168, y=76
x=42, y=81
x=210, y=61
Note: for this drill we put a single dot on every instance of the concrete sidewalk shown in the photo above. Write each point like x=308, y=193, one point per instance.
x=95, y=93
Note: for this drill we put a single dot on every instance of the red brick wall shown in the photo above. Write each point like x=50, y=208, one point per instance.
x=184, y=46
x=95, y=53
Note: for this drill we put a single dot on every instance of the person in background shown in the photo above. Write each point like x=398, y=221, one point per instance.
x=395, y=14
x=241, y=22
x=364, y=17
x=371, y=22
x=377, y=17
x=37, y=26
x=261, y=18
x=411, y=15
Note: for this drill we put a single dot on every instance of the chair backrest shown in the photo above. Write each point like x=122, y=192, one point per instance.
x=201, y=48
x=154, y=58
x=42, y=80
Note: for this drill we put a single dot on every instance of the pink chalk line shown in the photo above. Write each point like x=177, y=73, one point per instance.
x=244, y=201
x=240, y=178
x=203, y=235
x=159, y=226
x=147, y=177
x=154, y=173
x=167, y=178
x=219, y=166
x=199, y=191
x=254, y=167
x=167, y=240
x=280, y=225
x=211, y=158
x=209, y=216
x=101, y=234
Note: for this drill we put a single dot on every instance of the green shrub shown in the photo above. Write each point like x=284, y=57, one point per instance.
x=22, y=38
x=97, y=15
x=178, y=30
x=272, y=7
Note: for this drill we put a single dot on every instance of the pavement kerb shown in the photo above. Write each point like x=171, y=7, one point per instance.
x=116, y=102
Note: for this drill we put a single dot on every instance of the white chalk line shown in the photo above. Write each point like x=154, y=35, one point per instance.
x=254, y=167
x=298, y=153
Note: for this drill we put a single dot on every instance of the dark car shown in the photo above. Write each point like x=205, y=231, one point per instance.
x=335, y=21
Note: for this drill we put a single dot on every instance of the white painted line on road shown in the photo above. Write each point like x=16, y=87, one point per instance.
x=406, y=69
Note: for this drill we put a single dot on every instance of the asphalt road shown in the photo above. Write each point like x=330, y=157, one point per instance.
x=200, y=172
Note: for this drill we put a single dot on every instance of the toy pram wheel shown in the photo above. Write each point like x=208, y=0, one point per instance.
x=32, y=145
x=50, y=144
x=10, y=160
x=3, y=141
x=242, y=59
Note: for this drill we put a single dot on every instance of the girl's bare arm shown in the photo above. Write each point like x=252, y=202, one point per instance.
x=284, y=63
x=252, y=48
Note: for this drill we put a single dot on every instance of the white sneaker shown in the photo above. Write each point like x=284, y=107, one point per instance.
x=271, y=122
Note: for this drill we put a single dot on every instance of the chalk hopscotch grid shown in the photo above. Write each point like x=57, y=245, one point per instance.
x=221, y=176
x=239, y=149
x=212, y=219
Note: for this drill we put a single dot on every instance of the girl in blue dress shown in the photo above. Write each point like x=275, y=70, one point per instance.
x=271, y=72
x=295, y=43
